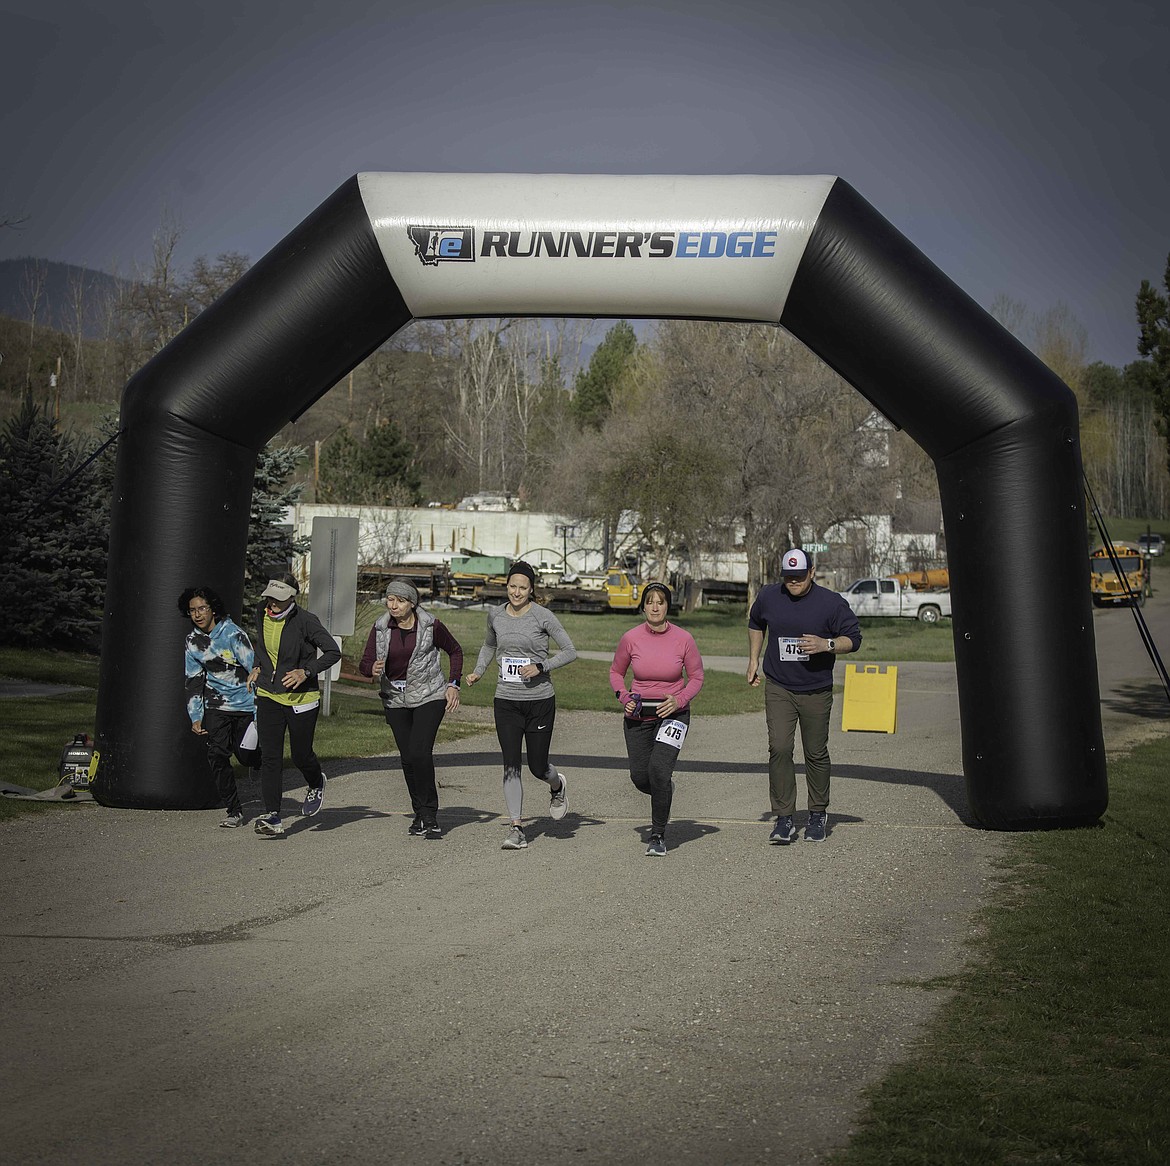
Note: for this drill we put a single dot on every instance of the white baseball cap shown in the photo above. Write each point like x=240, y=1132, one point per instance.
x=795, y=562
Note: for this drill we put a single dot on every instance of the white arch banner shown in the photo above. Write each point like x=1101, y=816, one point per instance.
x=723, y=247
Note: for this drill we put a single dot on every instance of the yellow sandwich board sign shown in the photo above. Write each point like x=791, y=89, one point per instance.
x=871, y=698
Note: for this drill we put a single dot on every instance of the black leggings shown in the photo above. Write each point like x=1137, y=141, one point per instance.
x=527, y=724
x=225, y=731
x=652, y=765
x=414, y=733
x=272, y=720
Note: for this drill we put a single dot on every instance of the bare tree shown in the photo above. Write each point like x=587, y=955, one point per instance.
x=788, y=431
x=32, y=288
x=79, y=310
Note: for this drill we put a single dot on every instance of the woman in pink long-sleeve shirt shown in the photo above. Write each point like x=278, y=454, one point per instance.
x=668, y=674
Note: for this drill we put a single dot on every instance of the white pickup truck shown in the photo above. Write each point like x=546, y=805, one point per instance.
x=889, y=597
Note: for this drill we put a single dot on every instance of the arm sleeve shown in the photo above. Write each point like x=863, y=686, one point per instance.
x=242, y=647
x=567, y=653
x=325, y=644
x=844, y=623
x=488, y=651
x=194, y=678
x=449, y=644
x=618, y=670
x=693, y=663
x=366, y=664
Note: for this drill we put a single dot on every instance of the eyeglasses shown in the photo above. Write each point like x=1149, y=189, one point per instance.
x=277, y=603
x=198, y=610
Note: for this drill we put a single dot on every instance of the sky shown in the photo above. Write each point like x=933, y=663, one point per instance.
x=1022, y=145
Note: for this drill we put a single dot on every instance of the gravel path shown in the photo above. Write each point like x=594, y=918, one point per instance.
x=178, y=992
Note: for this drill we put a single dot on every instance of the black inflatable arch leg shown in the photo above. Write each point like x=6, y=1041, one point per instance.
x=1003, y=433
x=195, y=418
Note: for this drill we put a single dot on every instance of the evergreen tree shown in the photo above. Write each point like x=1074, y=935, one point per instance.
x=594, y=387
x=389, y=463
x=1153, y=313
x=271, y=543
x=53, y=535
x=381, y=472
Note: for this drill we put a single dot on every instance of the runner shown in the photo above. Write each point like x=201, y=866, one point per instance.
x=518, y=635
x=668, y=674
x=217, y=658
x=292, y=650
x=403, y=651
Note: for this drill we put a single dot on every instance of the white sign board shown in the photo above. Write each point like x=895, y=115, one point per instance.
x=333, y=574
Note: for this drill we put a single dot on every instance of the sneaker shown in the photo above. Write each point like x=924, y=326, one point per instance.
x=233, y=821
x=270, y=824
x=515, y=840
x=433, y=830
x=558, y=807
x=783, y=832
x=815, y=830
x=416, y=827
x=657, y=847
x=312, y=803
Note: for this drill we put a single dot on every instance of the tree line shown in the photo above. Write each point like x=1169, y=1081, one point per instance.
x=695, y=438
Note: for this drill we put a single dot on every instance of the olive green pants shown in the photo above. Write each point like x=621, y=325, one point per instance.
x=784, y=711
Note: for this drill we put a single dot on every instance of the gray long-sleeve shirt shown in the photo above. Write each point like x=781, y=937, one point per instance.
x=516, y=640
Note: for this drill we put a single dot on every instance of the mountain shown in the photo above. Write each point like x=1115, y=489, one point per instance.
x=62, y=285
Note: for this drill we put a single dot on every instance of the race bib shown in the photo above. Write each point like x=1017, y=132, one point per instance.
x=510, y=668
x=789, y=649
x=398, y=685
x=306, y=708
x=672, y=733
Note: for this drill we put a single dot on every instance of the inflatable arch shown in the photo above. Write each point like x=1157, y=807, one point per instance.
x=805, y=252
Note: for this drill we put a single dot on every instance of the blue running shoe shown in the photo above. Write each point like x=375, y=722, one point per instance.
x=657, y=847
x=312, y=803
x=815, y=830
x=783, y=832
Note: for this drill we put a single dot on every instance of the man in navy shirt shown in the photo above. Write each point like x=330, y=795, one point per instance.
x=807, y=626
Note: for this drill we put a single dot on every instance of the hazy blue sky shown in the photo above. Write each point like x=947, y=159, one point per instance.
x=1023, y=146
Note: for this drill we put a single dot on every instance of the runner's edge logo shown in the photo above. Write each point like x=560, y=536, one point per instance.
x=435, y=245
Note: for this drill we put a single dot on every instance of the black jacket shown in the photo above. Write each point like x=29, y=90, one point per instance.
x=303, y=636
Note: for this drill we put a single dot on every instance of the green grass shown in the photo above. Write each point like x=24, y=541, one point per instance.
x=584, y=684
x=718, y=631
x=1054, y=1047
x=1128, y=529
x=30, y=750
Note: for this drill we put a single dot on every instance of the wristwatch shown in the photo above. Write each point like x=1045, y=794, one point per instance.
x=832, y=645
x=540, y=668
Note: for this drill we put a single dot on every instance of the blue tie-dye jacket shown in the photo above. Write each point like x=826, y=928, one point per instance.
x=217, y=666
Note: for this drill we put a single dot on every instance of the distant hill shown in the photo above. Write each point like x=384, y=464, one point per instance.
x=56, y=307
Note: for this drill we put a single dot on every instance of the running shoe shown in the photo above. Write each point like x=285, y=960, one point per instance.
x=657, y=847
x=515, y=840
x=233, y=821
x=271, y=825
x=558, y=806
x=433, y=830
x=312, y=803
x=815, y=830
x=783, y=832
x=416, y=827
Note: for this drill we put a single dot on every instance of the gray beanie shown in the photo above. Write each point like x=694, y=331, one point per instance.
x=403, y=590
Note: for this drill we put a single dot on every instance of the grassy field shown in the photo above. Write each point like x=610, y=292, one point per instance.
x=1128, y=529
x=719, y=631
x=1055, y=1044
